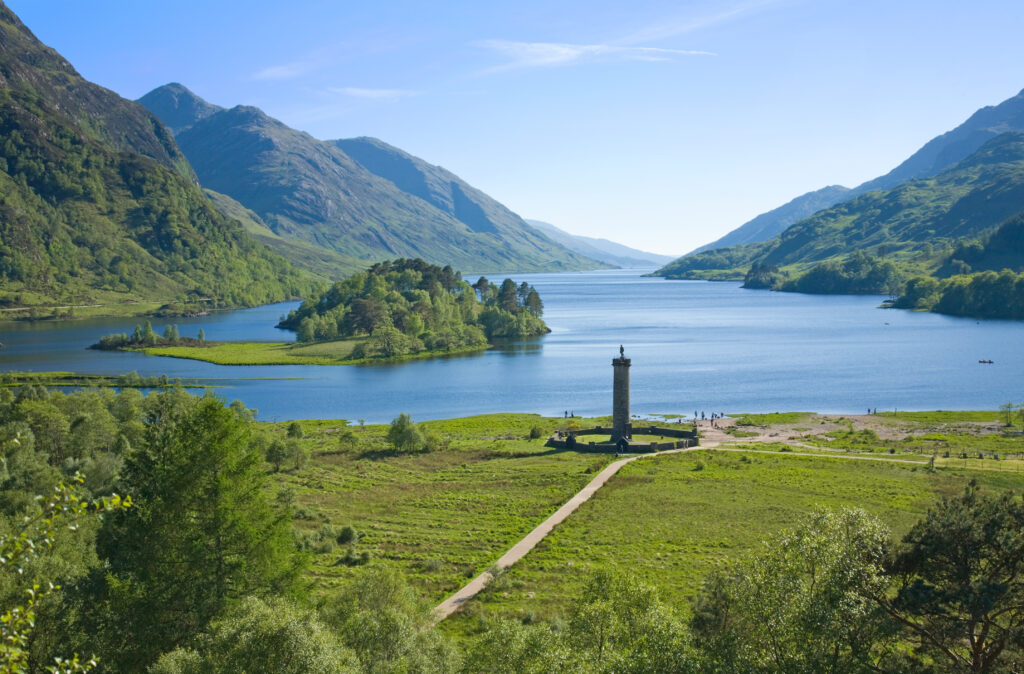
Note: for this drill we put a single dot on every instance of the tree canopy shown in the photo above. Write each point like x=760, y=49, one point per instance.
x=409, y=306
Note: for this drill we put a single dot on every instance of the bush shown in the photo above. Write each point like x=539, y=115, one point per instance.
x=347, y=535
x=536, y=432
x=404, y=435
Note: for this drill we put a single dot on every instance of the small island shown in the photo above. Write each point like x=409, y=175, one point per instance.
x=395, y=310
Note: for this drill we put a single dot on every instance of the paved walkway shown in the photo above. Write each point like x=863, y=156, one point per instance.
x=519, y=550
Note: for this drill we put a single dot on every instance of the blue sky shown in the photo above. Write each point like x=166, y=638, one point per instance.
x=662, y=125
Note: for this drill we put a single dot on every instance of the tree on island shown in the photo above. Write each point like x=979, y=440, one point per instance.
x=409, y=306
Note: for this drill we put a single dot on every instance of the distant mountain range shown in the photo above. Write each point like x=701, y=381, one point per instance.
x=959, y=185
x=358, y=199
x=602, y=250
x=98, y=205
x=775, y=221
x=935, y=156
x=913, y=223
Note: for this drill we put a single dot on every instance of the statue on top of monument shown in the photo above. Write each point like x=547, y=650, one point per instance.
x=622, y=351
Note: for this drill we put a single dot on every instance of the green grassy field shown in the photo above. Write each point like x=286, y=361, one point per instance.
x=283, y=353
x=672, y=519
x=439, y=517
x=444, y=516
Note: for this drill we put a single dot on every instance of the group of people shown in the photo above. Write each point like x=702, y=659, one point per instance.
x=715, y=416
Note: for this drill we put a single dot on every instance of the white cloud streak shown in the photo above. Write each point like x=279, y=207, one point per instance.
x=541, y=54
x=287, y=71
x=375, y=94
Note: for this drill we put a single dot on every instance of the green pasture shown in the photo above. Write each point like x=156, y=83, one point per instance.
x=283, y=353
x=671, y=519
x=441, y=517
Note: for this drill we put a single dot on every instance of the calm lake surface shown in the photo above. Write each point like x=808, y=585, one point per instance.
x=694, y=345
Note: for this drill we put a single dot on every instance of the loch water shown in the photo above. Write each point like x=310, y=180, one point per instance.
x=694, y=346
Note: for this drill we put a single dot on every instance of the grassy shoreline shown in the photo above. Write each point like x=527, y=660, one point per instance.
x=288, y=353
x=12, y=379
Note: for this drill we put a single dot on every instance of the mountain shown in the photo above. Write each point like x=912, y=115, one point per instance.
x=177, y=107
x=935, y=156
x=906, y=223
x=384, y=205
x=943, y=151
x=317, y=259
x=775, y=221
x=98, y=204
x=603, y=250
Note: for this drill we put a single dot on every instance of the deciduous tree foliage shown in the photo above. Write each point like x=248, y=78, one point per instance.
x=408, y=306
x=803, y=604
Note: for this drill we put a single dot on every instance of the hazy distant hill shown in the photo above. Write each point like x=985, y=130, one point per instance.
x=315, y=192
x=966, y=200
x=936, y=155
x=98, y=204
x=604, y=250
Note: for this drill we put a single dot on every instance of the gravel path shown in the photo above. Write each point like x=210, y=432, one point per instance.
x=517, y=551
x=711, y=438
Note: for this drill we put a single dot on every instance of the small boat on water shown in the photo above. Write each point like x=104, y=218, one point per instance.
x=986, y=362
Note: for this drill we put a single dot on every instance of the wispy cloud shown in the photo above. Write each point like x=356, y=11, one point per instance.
x=674, y=27
x=539, y=54
x=377, y=94
x=287, y=71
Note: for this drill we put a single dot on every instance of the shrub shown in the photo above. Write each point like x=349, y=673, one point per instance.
x=347, y=535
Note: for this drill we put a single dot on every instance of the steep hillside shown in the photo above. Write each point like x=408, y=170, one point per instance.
x=313, y=191
x=97, y=205
x=912, y=223
x=603, y=250
x=321, y=261
x=943, y=151
x=775, y=221
x=935, y=156
x=29, y=69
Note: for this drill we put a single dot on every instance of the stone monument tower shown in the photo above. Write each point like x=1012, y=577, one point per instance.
x=621, y=427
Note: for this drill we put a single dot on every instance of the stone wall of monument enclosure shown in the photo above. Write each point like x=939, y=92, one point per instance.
x=681, y=438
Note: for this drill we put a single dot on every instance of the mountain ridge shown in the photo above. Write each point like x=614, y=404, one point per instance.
x=965, y=200
x=310, y=190
x=603, y=250
x=938, y=154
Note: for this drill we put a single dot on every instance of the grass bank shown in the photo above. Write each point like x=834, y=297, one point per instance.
x=286, y=353
x=130, y=380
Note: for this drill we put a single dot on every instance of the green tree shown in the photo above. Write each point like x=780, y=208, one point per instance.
x=204, y=532
x=1008, y=410
x=388, y=625
x=34, y=537
x=508, y=297
x=262, y=635
x=960, y=582
x=534, y=304
x=277, y=453
x=403, y=434
x=202, y=336
x=805, y=603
